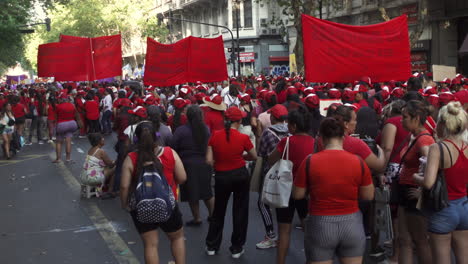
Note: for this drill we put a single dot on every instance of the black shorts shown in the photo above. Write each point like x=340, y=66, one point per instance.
x=173, y=224
x=405, y=202
x=20, y=120
x=286, y=215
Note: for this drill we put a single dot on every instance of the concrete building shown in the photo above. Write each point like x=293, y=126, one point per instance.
x=263, y=44
x=440, y=40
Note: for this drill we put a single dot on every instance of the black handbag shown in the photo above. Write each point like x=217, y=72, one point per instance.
x=11, y=122
x=436, y=198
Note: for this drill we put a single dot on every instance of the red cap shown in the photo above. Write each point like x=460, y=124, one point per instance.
x=298, y=85
x=278, y=111
x=334, y=93
x=233, y=113
x=199, y=96
x=245, y=98
x=462, y=96
x=360, y=88
x=139, y=111
x=433, y=99
x=184, y=90
x=429, y=90
x=348, y=95
x=398, y=93
x=367, y=80
x=354, y=106
x=446, y=97
x=291, y=90
x=312, y=101
x=447, y=81
x=262, y=93
x=385, y=94
x=309, y=90
x=181, y=103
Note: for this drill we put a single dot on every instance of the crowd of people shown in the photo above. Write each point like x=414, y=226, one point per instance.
x=395, y=134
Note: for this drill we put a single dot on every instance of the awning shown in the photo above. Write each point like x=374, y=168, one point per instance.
x=464, y=47
x=279, y=58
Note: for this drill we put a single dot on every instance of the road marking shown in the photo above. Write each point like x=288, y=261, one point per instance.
x=118, y=247
x=14, y=161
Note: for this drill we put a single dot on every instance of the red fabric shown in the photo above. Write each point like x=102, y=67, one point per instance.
x=228, y=155
x=188, y=60
x=18, y=110
x=2, y=103
x=411, y=163
x=170, y=121
x=342, y=53
x=92, y=110
x=299, y=147
x=430, y=125
x=456, y=176
x=353, y=145
x=106, y=59
x=400, y=136
x=214, y=120
x=167, y=160
x=122, y=102
x=51, y=113
x=333, y=189
x=64, y=61
x=65, y=112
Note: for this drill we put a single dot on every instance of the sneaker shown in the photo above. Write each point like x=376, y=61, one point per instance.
x=50, y=141
x=83, y=136
x=237, y=254
x=54, y=138
x=267, y=243
x=28, y=143
x=210, y=251
x=41, y=142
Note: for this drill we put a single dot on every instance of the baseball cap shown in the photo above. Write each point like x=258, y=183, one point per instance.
x=334, y=93
x=312, y=101
x=278, y=111
x=233, y=113
x=181, y=103
x=139, y=111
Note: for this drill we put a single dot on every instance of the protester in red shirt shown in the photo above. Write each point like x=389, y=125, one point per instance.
x=335, y=224
x=168, y=163
x=301, y=144
x=80, y=107
x=51, y=117
x=412, y=224
x=225, y=153
x=66, y=125
x=179, y=118
x=19, y=111
x=92, y=114
x=448, y=227
x=214, y=115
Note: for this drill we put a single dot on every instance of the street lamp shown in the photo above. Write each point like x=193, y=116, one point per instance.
x=236, y=5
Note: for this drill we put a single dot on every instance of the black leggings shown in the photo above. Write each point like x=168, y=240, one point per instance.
x=94, y=126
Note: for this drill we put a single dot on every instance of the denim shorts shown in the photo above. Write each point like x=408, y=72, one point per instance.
x=454, y=217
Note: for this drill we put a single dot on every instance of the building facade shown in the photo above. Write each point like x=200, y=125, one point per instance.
x=264, y=47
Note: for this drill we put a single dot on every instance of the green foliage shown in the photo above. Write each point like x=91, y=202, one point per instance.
x=133, y=19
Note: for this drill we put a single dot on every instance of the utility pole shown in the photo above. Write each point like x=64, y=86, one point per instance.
x=237, y=7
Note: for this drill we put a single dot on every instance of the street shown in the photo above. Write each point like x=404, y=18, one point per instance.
x=44, y=219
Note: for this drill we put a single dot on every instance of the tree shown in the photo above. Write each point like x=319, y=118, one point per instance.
x=133, y=19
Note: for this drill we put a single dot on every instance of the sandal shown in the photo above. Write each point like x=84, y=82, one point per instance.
x=108, y=195
x=193, y=223
x=56, y=161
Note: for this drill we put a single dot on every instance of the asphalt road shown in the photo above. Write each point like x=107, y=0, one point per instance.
x=45, y=220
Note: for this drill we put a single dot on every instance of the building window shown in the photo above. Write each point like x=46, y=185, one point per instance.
x=277, y=48
x=248, y=13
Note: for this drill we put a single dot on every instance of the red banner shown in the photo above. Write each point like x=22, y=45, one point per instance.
x=188, y=60
x=64, y=61
x=106, y=59
x=342, y=53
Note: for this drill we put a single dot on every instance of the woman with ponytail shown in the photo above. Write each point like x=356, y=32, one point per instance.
x=226, y=153
x=191, y=141
x=168, y=164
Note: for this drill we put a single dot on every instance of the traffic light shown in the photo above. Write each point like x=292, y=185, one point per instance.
x=241, y=49
x=47, y=23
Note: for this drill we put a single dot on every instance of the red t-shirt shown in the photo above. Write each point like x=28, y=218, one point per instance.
x=2, y=103
x=170, y=121
x=65, y=112
x=430, y=125
x=228, y=155
x=353, y=145
x=214, y=120
x=51, y=112
x=411, y=163
x=167, y=160
x=400, y=136
x=18, y=110
x=299, y=147
x=333, y=189
x=92, y=110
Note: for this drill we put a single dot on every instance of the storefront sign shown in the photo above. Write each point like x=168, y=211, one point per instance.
x=412, y=12
x=247, y=56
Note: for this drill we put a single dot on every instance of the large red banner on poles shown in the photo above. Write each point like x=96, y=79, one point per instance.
x=343, y=53
x=99, y=58
x=64, y=61
x=188, y=60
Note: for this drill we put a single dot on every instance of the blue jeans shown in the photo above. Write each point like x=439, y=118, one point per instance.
x=106, y=122
x=454, y=217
